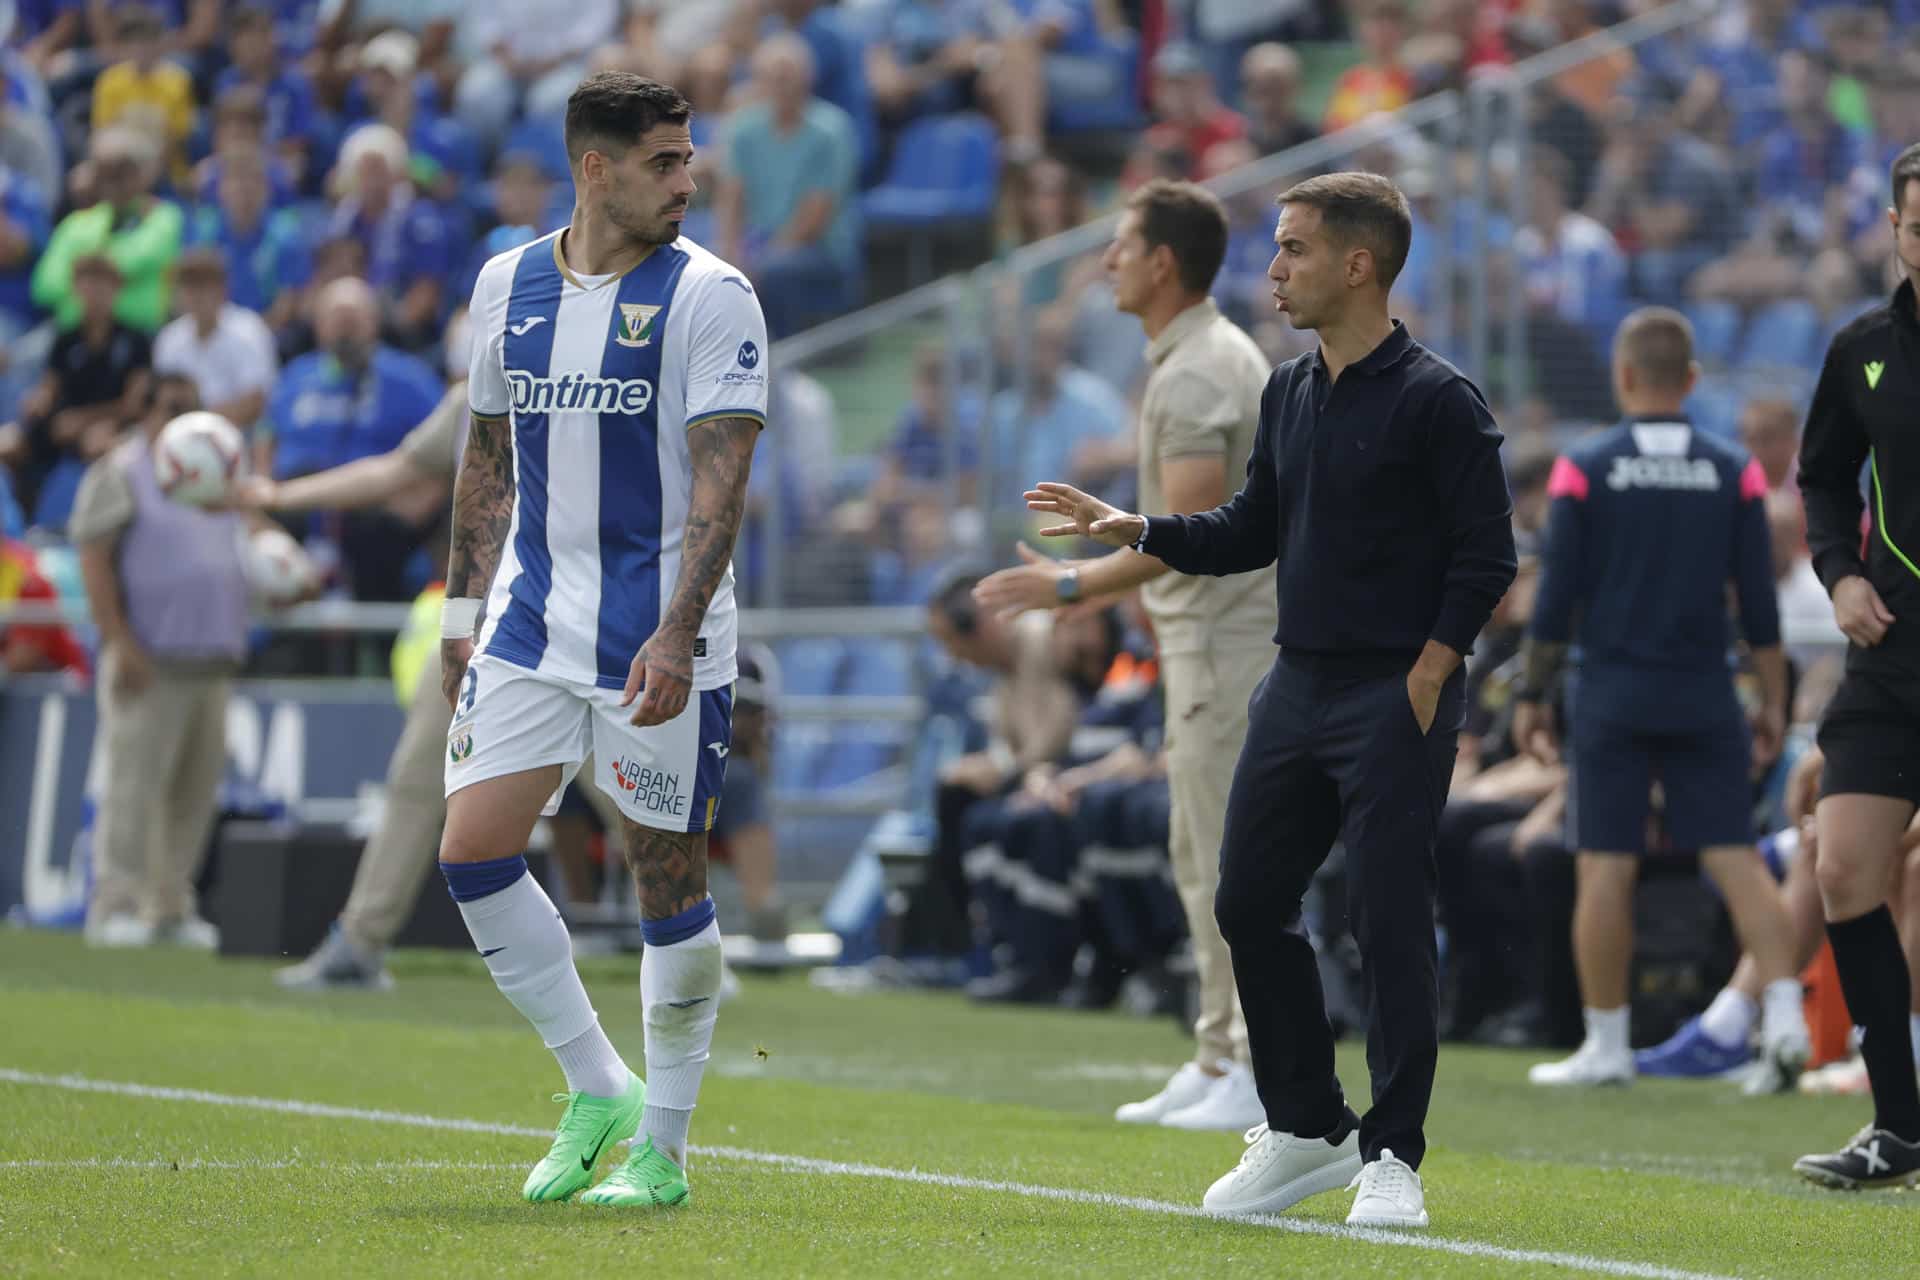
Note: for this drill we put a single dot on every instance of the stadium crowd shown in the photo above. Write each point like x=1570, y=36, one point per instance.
x=285, y=204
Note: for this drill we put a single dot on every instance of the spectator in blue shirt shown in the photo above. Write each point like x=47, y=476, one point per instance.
x=285, y=92
x=524, y=208
x=410, y=253
x=240, y=124
x=787, y=211
x=1796, y=213
x=25, y=223
x=351, y=399
x=44, y=29
x=938, y=434
x=268, y=258
x=1667, y=197
x=445, y=155
x=1570, y=265
x=1051, y=428
x=839, y=63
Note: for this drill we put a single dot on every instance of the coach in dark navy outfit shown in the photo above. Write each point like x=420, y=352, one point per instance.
x=1376, y=483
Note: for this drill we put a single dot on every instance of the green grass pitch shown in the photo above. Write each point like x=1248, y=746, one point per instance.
x=837, y=1136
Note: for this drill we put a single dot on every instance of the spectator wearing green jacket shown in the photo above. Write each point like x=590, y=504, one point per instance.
x=129, y=224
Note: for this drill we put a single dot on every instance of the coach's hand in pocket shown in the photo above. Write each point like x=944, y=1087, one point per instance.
x=663, y=669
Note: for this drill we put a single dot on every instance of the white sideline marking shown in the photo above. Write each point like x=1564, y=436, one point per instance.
x=837, y=1168
x=258, y=1164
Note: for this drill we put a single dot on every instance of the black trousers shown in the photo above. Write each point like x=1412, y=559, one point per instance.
x=1333, y=752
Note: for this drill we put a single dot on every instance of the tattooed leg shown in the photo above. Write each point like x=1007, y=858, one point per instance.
x=669, y=868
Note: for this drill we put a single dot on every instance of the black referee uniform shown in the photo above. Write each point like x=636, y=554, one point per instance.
x=1383, y=499
x=1866, y=413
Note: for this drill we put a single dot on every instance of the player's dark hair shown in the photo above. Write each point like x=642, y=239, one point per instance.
x=612, y=109
x=1657, y=343
x=1362, y=209
x=1906, y=168
x=1189, y=220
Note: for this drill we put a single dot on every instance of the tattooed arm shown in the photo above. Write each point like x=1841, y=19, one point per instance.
x=482, y=510
x=722, y=456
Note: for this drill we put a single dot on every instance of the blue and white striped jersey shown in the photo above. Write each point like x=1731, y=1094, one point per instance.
x=602, y=377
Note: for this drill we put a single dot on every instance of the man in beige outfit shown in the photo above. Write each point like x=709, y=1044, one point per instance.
x=166, y=586
x=419, y=474
x=1197, y=422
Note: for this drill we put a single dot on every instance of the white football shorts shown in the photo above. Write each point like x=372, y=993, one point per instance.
x=509, y=720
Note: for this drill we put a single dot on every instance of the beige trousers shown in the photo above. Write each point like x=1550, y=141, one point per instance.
x=404, y=848
x=163, y=752
x=1207, y=695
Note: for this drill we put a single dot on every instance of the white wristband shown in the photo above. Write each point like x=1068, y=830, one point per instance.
x=458, y=617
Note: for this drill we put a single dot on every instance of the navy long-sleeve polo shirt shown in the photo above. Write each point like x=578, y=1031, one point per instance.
x=1382, y=497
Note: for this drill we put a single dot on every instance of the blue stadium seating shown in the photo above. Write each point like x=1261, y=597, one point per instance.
x=1716, y=332
x=1782, y=335
x=810, y=666
x=878, y=669
x=945, y=170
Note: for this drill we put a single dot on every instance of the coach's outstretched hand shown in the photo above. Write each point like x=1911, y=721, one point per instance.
x=1089, y=517
x=664, y=670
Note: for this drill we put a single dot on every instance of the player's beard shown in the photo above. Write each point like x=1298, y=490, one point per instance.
x=654, y=231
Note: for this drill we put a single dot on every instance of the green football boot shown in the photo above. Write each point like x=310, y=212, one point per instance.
x=589, y=1126
x=648, y=1178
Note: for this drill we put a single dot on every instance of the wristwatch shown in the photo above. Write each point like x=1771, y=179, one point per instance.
x=1140, y=543
x=1067, y=586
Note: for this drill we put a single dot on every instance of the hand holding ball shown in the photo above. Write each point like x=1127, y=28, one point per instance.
x=197, y=458
x=279, y=572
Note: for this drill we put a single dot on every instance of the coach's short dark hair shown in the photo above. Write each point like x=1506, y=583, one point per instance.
x=1188, y=219
x=1364, y=210
x=1906, y=168
x=1657, y=343
x=611, y=109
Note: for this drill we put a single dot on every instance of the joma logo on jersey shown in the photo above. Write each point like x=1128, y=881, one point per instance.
x=1663, y=473
x=654, y=790
x=636, y=324
x=576, y=392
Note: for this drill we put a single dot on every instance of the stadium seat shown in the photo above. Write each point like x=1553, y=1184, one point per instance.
x=1781, y=334
x=810, y=666
x=1112, y=113
x=1716, y=332
x=945, y=170
x=941, y=186
x=1715, y=408
x=878, y=669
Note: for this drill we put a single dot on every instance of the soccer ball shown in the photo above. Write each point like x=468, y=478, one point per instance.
x=278, y=571
x=197, y=457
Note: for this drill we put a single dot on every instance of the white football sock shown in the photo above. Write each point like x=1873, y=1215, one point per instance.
x=1608, y=1028
x=1781, y=1012
x=1729, y=1019
x=679, y=995
x=525, y=944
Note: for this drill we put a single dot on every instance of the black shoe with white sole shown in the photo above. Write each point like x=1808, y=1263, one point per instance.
x=1875, y=1158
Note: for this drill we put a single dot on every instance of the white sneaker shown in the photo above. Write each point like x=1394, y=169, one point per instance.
x=1844, y=1078
x=1590, y=1065
x=1391, y=1195
x=1231, y=1104
x=1778, y=1068
x=1278, y=1171
x=119, y=931
x=192, y=932
x=1188, y=1085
